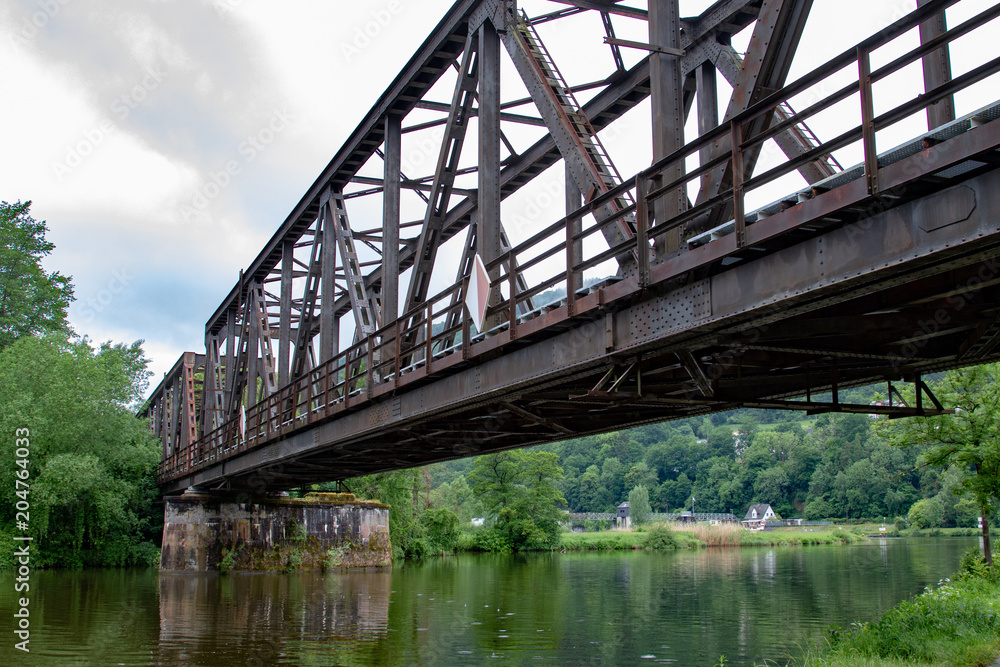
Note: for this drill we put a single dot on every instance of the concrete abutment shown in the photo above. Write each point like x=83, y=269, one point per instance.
x=204, y=531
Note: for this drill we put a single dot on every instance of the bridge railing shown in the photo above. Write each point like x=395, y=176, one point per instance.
x=437, y=337
x=730, y=237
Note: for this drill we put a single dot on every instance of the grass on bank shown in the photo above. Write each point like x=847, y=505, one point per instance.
x=699, y=535
x=956, y=624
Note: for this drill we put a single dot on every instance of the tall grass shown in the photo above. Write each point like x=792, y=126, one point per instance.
x=723, y=535
x=957, y=624
x=733, y=535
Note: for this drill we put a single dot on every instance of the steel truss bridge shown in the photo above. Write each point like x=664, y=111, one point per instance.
x=676, y=291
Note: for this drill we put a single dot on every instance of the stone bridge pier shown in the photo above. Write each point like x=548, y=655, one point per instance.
x=227, y=531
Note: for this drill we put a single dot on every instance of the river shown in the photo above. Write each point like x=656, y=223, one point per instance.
x=622, y=608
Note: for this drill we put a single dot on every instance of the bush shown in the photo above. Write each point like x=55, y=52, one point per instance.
x=973, y=565
x=492, y=540
x=441, y=529
x=926, y=513
x=955, y=623
x=659, y=537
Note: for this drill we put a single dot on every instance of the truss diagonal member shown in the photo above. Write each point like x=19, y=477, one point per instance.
x=922, y=389
x=571, y=131
x=794, y=141
x=775, y=39
x=214, y=382
x=362, y=302
x=532, y=417
x=302, y=355
x=265, y=363
x=696, y=372
x=444, y=174
x=243, y=367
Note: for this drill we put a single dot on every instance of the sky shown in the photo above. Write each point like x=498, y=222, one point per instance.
x=164, y=141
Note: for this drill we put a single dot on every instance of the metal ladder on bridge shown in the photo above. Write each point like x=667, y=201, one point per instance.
x=807, y=138
x=600, y=163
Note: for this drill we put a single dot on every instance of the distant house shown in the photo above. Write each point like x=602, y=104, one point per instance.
x=622, y=519
x=757, y=516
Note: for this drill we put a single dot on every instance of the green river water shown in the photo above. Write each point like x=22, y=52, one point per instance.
x=622, y=608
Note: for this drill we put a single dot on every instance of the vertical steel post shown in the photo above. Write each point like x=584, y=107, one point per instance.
x=574, y=249
x=937, y=69
x=868, y=121
x=708, y=107
x=667, y=97
x=642, y=229
x=390, y=219
x=329, y=327
x=739, y=214
x=285, y=317
x=488, y=243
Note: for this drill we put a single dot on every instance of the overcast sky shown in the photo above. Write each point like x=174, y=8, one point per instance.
x=120, y=116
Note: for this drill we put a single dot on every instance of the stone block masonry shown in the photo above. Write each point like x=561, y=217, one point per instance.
x=229, y=531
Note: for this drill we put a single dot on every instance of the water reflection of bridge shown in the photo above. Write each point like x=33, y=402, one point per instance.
x=699, y=296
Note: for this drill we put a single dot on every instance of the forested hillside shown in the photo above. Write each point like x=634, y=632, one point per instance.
x=825, y=466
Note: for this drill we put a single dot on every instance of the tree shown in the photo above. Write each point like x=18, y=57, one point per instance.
x=458, y=497
x=518, y=491
x=967, y=439
x=401, y=490
x=92, y=461
x=926, y=513
x=32, y=302
x=638, y=505
x=441, y=528
x=640, y=475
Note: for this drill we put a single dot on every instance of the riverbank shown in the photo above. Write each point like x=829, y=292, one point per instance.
x=704, y=536
x=956, y=623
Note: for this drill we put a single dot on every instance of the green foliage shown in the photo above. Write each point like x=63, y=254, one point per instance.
x=402, y=490
x=659, y=537
x=638, y=506
x=925, y=513
x=596, y=525
x=966, y=440
x=32, y=302
x=518, y=491
x=440, y=528
x=492, y=540
x=228, y=560
x=973, y=565
x=606, y=541
x=459, y=498
x=93, y=498
x=956, y=623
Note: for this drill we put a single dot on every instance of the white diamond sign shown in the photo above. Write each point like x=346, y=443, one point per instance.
x=478, y=296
